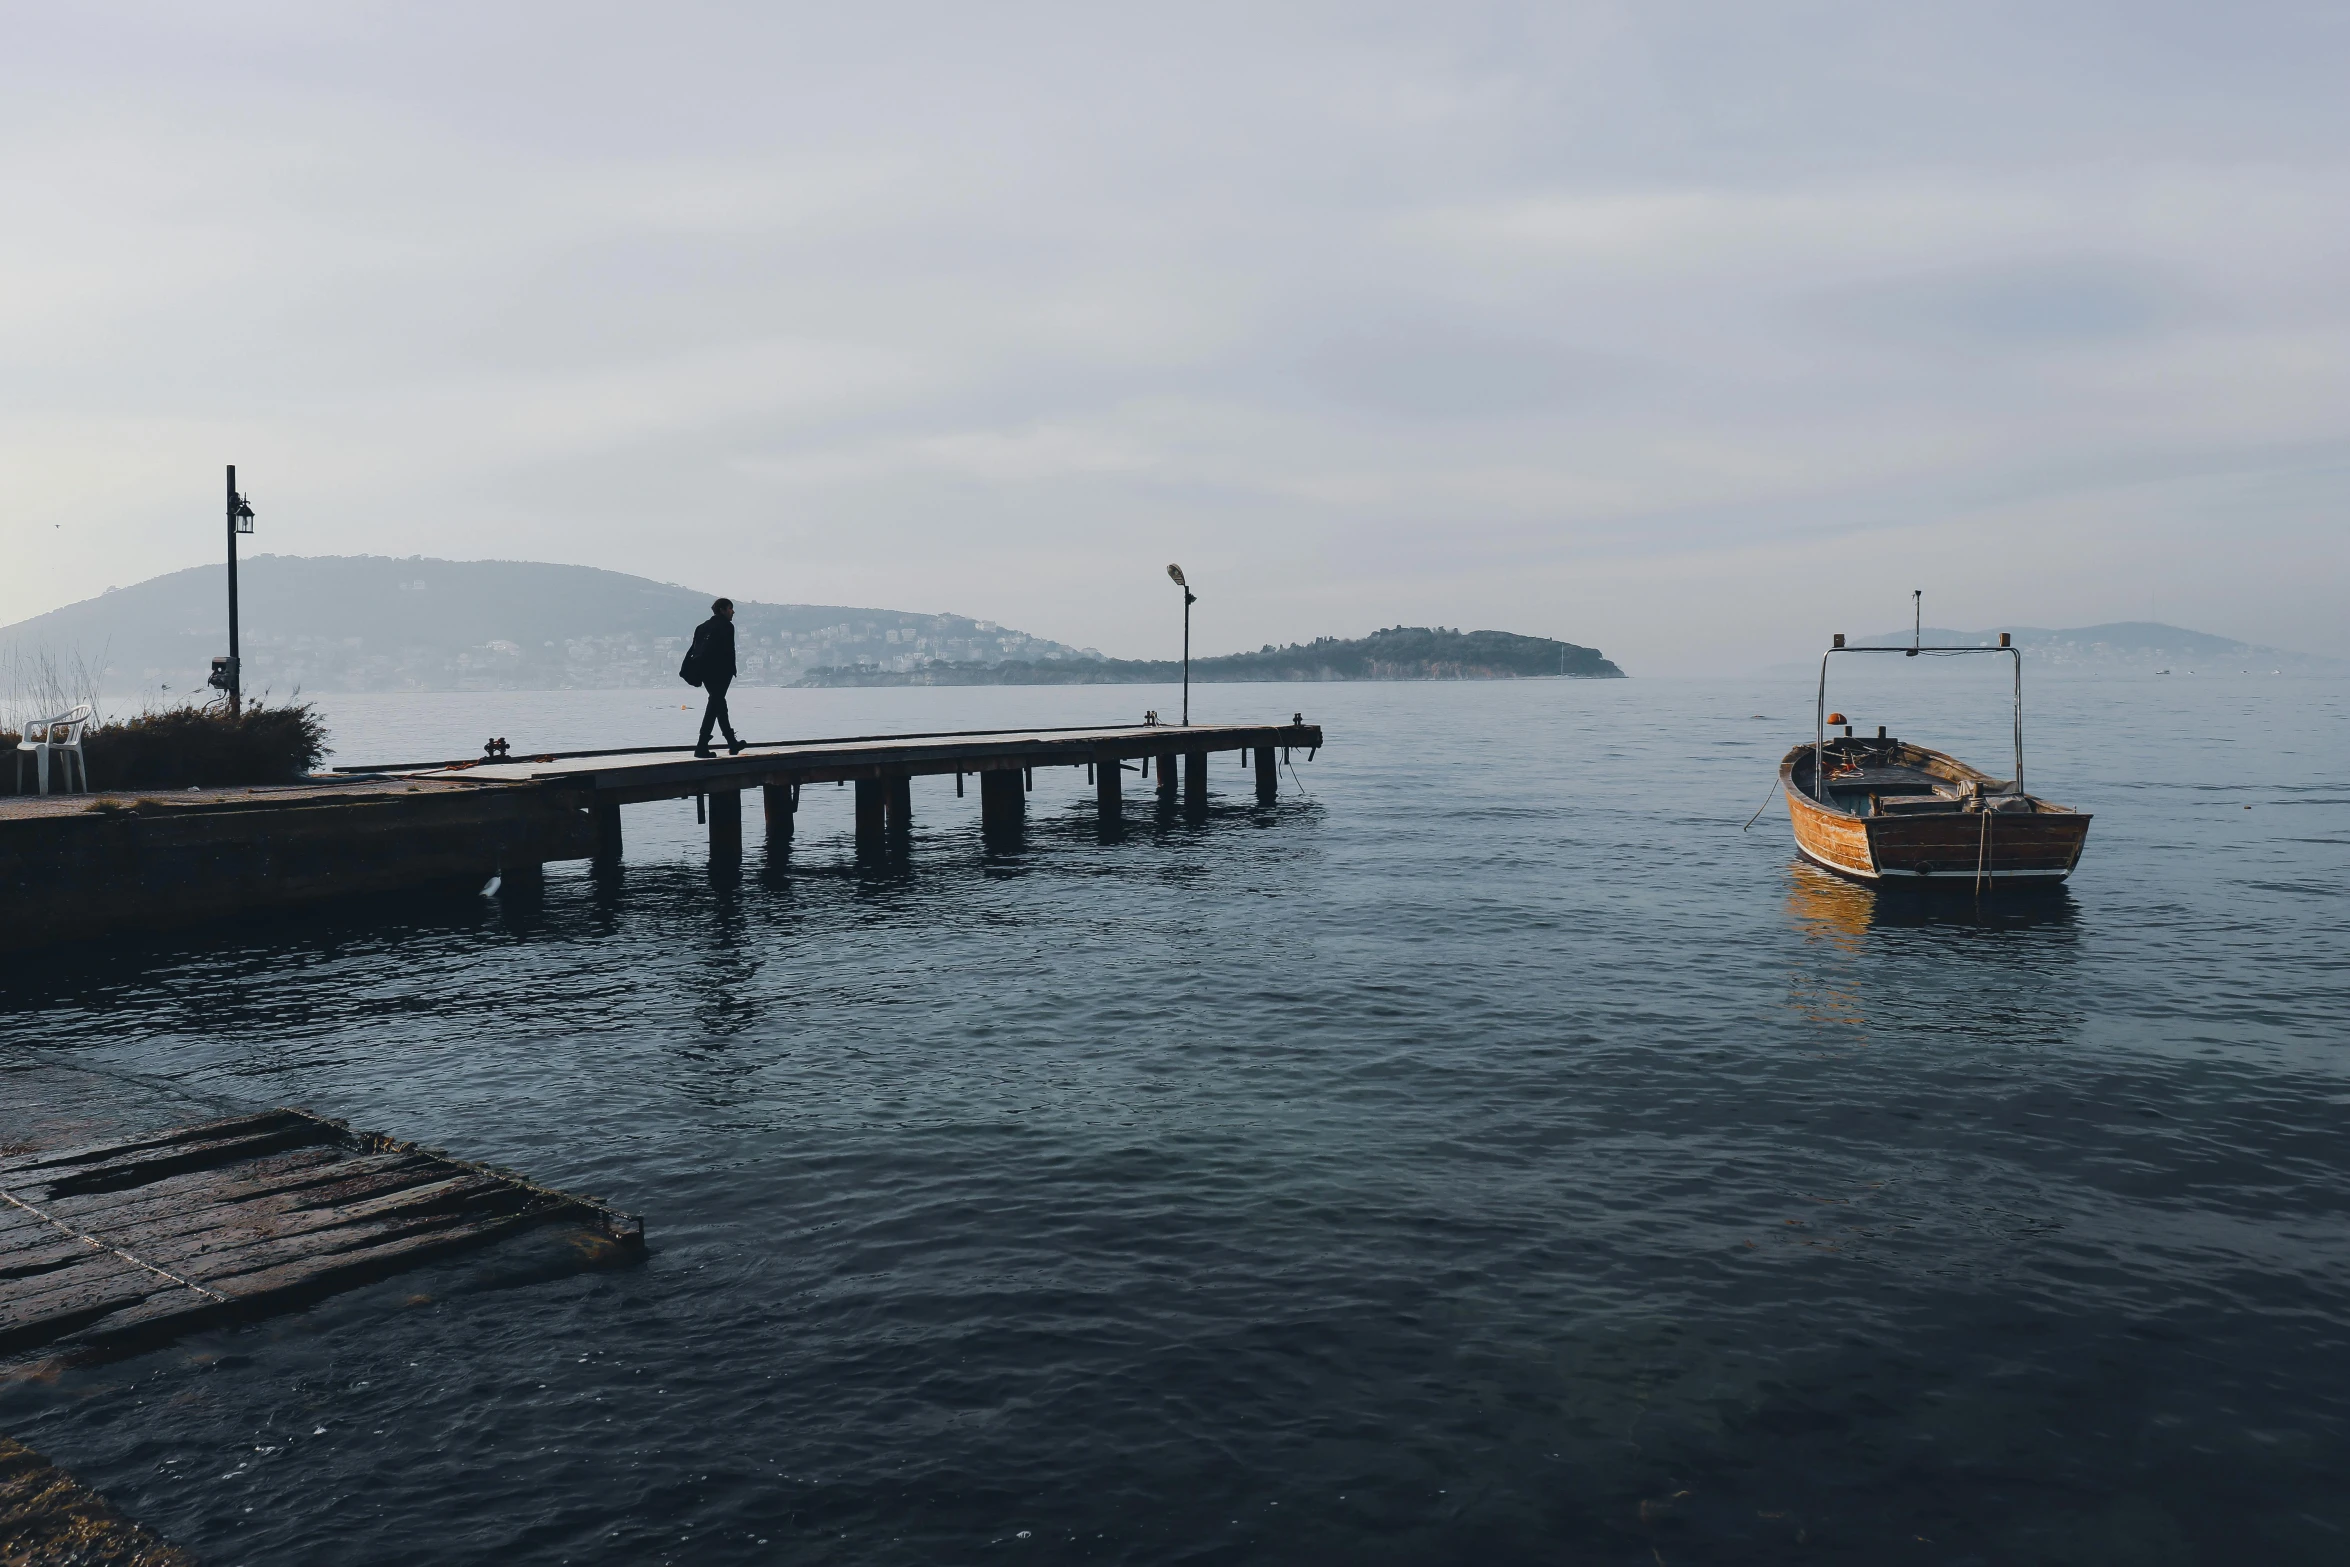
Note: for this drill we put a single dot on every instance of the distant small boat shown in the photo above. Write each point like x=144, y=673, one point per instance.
x=1885, y=811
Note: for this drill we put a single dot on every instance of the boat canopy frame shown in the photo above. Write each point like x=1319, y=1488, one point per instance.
x=1819, y=747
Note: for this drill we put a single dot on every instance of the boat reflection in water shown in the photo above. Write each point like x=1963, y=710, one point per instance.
x=1895, y=962
x=1842, y=913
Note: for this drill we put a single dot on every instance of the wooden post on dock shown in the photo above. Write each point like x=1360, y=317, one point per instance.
x=1268, y=780
x=1002, y=800
x=726, y=824
x=780, y=812
x=607, y=814
x=870, y=814
x=1195, y=778
x=1108, y=779
x=1169, y=784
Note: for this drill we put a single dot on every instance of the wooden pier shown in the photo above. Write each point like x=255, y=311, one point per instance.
x=1002, y=764
x=73, y=867
x=139, y=1239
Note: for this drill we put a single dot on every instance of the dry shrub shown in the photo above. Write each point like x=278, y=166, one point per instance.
x=177, y=747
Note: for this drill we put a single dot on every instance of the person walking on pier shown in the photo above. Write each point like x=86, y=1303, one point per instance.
x=709, y=663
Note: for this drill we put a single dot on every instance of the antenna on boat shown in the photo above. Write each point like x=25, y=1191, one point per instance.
x=1917, y=620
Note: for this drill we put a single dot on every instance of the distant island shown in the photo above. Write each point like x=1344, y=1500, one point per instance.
x=1397, y=653
x=384, y=623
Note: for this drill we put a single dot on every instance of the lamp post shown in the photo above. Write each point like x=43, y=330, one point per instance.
x=1189, y=598
x=228, y=673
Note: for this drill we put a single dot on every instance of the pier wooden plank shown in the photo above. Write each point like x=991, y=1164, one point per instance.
x=286, y=1212
x=158, y=1235
x=25, y=1164
x=667, y=774
x=218, y=1259
x=127, y=1174
x=200, y=1196
x=287, y=1171
x=291, y=1283
x=45, y=1251
x=103, y=1288
x=225, y=1268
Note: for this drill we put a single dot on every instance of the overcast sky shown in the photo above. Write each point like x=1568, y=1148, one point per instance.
x=1692, y=332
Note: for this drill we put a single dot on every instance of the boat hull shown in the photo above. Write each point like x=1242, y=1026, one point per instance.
x=2041, y=844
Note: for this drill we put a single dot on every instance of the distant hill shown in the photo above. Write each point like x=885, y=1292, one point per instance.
x=371, y=623
x=1398, y=653
x=2141, y=645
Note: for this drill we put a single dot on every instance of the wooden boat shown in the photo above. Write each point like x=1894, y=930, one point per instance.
x=1888, y=812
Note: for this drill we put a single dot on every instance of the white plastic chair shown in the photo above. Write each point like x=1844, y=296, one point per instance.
x=61, y=734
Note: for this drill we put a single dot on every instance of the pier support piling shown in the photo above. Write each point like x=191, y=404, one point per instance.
x=898, y=804
x=726, y=824
x=781, y=810
x=607, y=815
x=1108, y=776
x=1170, y=785
x=1002, y=800
x=871, y=814
x=1268, y=779
x=1195, y=778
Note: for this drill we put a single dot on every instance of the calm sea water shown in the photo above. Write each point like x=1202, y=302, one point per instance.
x=1489, y=1154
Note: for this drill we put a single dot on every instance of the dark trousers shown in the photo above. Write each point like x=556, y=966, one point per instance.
x=715, y=713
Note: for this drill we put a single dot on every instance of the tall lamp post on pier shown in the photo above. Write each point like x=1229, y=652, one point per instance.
x=228, y=673
x=1189, y=598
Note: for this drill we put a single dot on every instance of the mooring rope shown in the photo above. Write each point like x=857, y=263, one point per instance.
x=94, y=1241
x=1982, y=848
x=1766, y=805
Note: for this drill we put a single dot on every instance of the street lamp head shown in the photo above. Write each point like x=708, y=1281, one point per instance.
x=243, y=515
x=1177, y=573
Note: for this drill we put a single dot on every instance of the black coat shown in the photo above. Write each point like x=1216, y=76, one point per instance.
x=710, y=661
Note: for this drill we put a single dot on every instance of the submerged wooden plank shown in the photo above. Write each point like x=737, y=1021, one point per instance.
x=212, y=1256
x=203, y=1198
x=188, y=1244
x=49, y=1517
x=291, y=1282
x=161, y=1234
x=93, y=1295
x=232, y=1127
x=148, y=1168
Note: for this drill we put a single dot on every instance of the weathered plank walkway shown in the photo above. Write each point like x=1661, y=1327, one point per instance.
x=50, y=1519
x=79, y=866
x=882, y=767
x=145, y=1238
